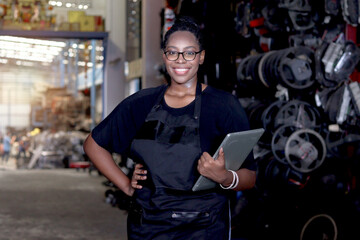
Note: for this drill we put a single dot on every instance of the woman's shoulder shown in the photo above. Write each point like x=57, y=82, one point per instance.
x=219, y=96
x=145, y=94
x=142, y=100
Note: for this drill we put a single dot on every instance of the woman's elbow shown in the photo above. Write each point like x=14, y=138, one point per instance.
x=252, y=179
x=87, y=144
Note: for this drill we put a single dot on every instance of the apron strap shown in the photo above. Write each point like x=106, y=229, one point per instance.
x=160, y=97
x=197, y=100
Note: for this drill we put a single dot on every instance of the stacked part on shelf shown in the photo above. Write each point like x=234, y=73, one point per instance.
x=291, y=67
x=340, y=103
x=299, y=12
x=350, y=11
x=335, y=62
x=293, y=139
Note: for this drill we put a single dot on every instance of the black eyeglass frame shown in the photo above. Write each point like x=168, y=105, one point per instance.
x=182, y=53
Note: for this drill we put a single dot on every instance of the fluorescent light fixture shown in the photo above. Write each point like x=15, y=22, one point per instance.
x=33, y=41
x=30, y=49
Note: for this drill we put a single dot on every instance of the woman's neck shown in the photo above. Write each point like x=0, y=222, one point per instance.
x=180, y=95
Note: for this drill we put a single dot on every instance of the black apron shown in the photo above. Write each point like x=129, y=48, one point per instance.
x=166, y=208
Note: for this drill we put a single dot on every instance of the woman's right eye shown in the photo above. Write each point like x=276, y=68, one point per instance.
x=172, y=52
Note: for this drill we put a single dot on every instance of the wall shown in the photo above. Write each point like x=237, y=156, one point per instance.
x=151, y=38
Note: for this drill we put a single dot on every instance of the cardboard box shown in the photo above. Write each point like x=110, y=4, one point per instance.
x=87, y=24
x=65, y=26
x=75, y=16
x=75, y=26
x=99, y=24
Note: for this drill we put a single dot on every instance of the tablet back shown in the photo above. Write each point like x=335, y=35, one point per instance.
x=237, y=147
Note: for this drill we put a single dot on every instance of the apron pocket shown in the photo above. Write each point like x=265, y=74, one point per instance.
x=195, y=219
x=189, y=215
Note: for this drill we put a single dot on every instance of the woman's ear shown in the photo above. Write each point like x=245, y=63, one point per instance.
x=163, y=55
x=202, y=56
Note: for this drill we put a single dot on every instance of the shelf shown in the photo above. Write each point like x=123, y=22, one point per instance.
x=55, y=34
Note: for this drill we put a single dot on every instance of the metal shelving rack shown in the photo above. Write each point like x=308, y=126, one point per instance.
x=56, y=34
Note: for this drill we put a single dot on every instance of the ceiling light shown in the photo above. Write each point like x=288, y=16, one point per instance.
x=33, y=41
x=79, y=4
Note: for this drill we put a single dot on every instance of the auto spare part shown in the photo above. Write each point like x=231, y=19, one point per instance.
x=305, y=150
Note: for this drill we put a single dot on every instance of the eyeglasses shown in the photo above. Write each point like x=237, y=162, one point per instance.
x=187, y=55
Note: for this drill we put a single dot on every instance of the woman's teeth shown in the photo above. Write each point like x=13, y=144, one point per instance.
x=181, y=70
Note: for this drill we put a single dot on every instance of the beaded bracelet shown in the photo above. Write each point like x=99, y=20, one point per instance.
x=234, y=182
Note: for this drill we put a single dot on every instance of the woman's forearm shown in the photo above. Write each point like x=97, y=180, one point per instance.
x=247, y=179
x=103, y=161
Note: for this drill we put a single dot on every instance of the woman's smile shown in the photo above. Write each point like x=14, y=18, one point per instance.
x=181, y=71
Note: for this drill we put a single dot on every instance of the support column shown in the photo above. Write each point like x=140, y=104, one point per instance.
x=62, y=70
x=114, y=77
x=151, y=38
x=93, y=86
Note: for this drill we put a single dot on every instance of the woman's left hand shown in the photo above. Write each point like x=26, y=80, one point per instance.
x=138, y=174
x=213, y=169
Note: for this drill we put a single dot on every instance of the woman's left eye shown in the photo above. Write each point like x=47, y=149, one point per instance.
x=190, y=53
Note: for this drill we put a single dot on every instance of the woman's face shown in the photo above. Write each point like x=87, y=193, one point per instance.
x=182, y=71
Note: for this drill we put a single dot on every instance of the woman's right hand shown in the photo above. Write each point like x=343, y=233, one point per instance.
x=138, y=174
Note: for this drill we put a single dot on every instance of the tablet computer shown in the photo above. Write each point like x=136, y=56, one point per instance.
x=237, y=147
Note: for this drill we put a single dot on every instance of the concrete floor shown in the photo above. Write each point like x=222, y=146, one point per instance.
x=56, y=204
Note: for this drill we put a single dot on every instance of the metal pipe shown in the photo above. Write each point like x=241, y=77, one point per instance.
x=93, y=87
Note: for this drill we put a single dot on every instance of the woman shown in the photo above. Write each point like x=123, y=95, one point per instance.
x=171, y=131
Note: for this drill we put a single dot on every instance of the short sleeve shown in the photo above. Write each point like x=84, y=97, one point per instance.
x=116, y=131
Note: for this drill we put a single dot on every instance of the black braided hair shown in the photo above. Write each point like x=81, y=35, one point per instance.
x=184, y=23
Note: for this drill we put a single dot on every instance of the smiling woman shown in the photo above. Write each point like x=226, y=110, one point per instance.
x=171, y=132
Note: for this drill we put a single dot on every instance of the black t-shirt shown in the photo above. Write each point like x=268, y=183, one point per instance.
x=221, y=113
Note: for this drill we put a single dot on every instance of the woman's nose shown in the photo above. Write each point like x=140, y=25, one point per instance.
x=181, y=58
